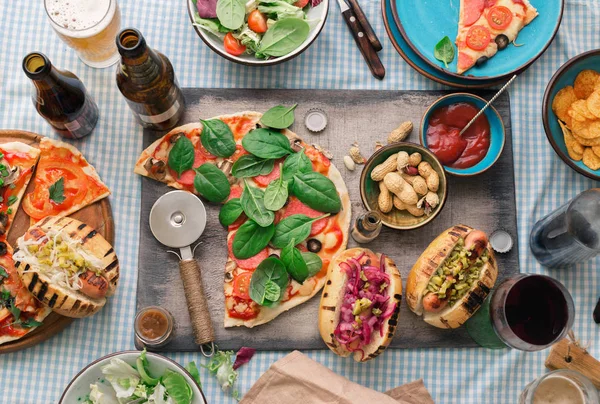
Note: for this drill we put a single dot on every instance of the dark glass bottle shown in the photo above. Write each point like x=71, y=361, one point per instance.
x=147, y=81
x=60, y=98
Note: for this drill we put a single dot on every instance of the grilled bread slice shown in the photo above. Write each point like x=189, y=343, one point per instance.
x=42, y=280
x=432, y=258
x=331, y=303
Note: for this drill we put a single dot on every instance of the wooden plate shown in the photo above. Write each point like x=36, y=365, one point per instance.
x=98, y=215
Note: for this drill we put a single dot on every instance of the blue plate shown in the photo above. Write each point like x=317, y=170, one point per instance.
x=419, y=64
x=565, y=76
x=497, y=135
x=423, y=23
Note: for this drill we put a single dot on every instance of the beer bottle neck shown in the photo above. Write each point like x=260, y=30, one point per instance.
x=41, y=72
x=139, y=63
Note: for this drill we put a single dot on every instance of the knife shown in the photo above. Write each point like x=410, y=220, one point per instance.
x=365, y=47
x=362, y=19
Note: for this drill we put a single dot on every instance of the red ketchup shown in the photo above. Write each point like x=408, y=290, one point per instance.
x=443, y=137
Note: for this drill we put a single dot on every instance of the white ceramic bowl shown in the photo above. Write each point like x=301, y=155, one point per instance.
x=216, y=44
x=79, y=387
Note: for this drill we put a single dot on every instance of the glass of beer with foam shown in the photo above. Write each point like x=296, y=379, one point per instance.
x=89, y=27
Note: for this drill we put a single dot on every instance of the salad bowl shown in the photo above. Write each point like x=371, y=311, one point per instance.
x=158, y=366
x=209, y=31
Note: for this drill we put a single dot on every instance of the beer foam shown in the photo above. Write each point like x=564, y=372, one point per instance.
x=80, y=18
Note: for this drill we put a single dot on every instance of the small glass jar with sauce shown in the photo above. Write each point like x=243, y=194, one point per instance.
x=367, y=227
x=153, y=326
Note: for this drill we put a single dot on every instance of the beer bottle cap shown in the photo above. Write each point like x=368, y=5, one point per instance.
x=501, y=241
x=315, y=120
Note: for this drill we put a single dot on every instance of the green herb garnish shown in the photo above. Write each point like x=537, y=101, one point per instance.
x=56, y=190
x=444, y=51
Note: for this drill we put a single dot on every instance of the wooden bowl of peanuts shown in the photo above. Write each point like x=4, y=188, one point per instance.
x=405, y=183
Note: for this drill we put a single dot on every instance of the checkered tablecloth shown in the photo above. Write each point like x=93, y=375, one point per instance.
x=39, y=374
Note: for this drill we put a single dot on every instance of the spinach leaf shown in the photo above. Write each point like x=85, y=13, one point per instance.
x=296, y=163
x=217, y=138
x=29, y=323
x=266, y=144
x=211, y=183
x=251, y=166
x=230, y=212
x=250, y=239
x=231, y=13
x=294, y=262
x=254, y=205
x=272, y=291
x=181, y=156
x=294, y=227
x=317, y=191
x=313, y=263
x=276, y=193
x=444, y=51
x=283, y=37
x=3, y=273
x=271, y=270
x=279, y=117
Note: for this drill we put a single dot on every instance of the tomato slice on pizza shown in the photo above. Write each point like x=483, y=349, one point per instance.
x=17, y=162
x=326, y=235
x=64, y=182
x=486, y=26
x=20, y=312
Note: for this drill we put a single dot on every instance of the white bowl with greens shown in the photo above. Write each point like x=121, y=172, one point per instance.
x=258, y=32
x=134, y=377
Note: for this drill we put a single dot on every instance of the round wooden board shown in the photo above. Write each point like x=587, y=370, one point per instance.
x=98, y=215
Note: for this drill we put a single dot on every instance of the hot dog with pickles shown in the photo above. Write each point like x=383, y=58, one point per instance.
x=452, y=277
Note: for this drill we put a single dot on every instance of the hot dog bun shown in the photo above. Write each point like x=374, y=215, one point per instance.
x=427, y=264
x=331, y=302
x=64, y=300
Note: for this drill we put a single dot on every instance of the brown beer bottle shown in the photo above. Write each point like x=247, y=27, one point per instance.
x=60, y=98
x=148, y=83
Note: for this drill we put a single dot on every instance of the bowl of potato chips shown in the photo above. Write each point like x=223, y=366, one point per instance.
x=571, y=113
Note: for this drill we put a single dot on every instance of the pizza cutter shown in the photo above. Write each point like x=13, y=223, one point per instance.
x=177, y=219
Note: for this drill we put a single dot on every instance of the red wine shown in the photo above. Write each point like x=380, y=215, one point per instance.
x=536, y=310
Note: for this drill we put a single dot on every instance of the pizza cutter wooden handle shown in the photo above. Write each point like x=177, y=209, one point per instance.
x=196, y=301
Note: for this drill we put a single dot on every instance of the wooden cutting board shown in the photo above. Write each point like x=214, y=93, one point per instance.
x=486, y=202
x=98, y=215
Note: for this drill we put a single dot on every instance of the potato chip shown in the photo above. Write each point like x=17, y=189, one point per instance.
x=593, y=103
x=581, y=108
x=587, y=142
x=581, y=129
x=562, y=101
x=569, y=122
x=590, y=159
x=585, y=83
x=596, y=150
x=574, y=148
x=597, y=86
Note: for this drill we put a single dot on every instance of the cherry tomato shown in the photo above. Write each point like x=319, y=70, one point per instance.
x=241, y=285
x=499, y=17
x=257, y=22
x=232, y=45
x=478, y=37
x=301, y=3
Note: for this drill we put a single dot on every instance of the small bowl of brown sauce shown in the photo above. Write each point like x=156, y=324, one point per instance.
x=153, y=326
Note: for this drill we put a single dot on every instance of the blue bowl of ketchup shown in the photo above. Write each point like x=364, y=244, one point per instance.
x=477, y=149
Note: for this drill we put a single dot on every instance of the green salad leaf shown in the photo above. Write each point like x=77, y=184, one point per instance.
x=279, y=117
x=317, y=191
x=230, y=212
x=193, y=370
x=142, y=368
x=294, y=262
x=250, y=239
x=271, y=270
x=296, y=163
x=211, y=183
x=181, y=156
x=284, y=37
x=294, y=227
x=444, y=51
x=221, y=366
x=217, y=138
x=253, y=203
x=231, y=13
x=267, y=143
x=313, y=263
x=249, y=165
x=276, y=194
x=177, y=388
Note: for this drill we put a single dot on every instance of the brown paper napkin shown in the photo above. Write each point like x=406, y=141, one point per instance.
x=297, y=379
